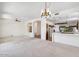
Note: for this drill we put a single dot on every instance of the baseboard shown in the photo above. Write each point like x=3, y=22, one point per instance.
x=11, y=36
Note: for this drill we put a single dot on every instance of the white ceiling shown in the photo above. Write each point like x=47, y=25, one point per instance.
x=32, y=10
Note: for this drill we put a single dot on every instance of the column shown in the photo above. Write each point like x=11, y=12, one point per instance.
x=43, y=28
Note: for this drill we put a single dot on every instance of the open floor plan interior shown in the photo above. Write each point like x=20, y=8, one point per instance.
x=39, y=29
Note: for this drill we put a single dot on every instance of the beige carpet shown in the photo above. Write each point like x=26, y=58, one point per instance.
x=32, y=47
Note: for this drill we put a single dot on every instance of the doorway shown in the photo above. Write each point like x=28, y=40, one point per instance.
x=37, y=29
x=48, y=32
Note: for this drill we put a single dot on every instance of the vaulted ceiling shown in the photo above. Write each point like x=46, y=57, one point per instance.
x=32, y=10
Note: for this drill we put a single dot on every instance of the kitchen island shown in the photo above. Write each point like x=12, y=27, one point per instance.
x=66, y=38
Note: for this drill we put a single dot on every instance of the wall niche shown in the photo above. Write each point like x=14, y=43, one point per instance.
x=29, y=27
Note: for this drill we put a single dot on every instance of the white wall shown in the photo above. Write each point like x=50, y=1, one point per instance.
x=9, y=27
x=27, y=33
x=31, y=34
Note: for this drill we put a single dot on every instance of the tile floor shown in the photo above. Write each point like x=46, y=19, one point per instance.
x=24, y=46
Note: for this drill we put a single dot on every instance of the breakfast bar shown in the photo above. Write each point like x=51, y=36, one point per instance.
x=70, y=39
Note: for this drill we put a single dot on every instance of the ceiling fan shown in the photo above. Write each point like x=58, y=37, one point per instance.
x=17, y=20
x=56, y=14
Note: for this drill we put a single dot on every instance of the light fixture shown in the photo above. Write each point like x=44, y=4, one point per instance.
x=45, y=12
